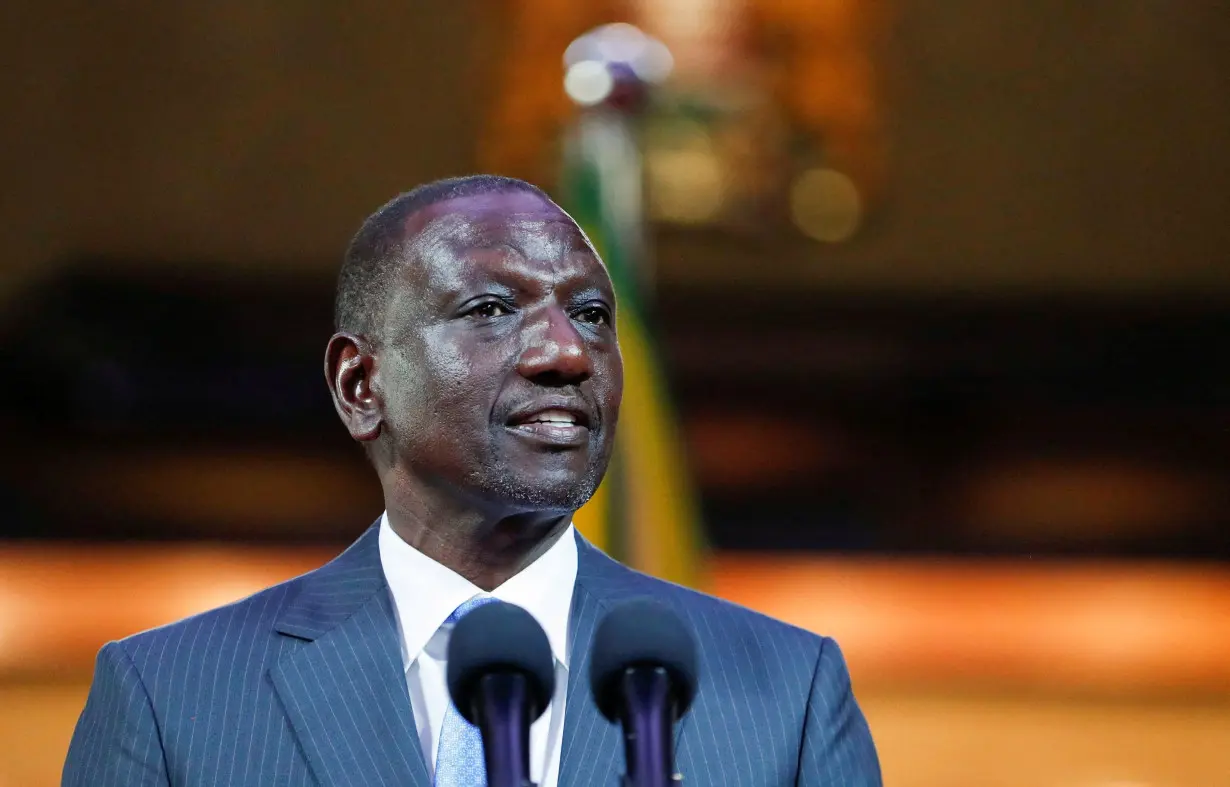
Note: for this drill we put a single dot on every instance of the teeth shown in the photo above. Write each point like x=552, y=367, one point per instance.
x=553, y=417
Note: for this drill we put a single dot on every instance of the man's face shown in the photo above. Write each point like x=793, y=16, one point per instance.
x=498, y=368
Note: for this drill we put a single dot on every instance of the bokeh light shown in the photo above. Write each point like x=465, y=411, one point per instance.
x=825, y=205
x=588, y=82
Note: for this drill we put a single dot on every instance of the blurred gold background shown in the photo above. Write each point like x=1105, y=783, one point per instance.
x=941, y=294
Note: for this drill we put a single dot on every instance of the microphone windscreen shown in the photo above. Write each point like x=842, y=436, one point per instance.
x=494, y=638
x=641, y=633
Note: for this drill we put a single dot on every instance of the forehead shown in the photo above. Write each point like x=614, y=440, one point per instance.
x=488, y=205
x=501, y=230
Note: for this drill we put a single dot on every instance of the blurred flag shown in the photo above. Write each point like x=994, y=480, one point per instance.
x=645, y=513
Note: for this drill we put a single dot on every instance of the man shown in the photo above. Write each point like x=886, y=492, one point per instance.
x=476, y=360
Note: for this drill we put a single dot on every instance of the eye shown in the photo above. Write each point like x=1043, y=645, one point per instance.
x=594, y=315
x=489, y=310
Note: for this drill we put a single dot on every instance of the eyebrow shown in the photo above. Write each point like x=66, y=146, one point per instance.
x=593, y=292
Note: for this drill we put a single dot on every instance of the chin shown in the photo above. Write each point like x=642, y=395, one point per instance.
x=561, y=499
x=562, y=494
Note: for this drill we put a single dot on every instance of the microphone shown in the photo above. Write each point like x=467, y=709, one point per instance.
x=643, y=675
x=501, y=677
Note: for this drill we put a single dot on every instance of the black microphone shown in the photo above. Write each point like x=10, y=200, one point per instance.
x=501, y=676
x=643, y=675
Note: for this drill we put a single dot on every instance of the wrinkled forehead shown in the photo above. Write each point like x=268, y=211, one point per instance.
x=520, y=225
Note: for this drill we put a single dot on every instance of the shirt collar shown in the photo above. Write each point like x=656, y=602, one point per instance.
x=425, y=592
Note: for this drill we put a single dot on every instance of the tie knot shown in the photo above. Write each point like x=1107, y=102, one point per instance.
x=467, y=607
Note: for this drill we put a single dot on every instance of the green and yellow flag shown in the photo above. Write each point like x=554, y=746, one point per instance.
x=645, y=513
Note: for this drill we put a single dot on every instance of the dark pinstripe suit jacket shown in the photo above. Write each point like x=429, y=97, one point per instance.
x=303, y=684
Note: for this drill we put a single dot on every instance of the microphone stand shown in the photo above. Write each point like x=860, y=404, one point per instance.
x=648, y=720
x=504, y=715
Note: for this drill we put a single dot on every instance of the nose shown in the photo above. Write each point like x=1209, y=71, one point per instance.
x=554, y=352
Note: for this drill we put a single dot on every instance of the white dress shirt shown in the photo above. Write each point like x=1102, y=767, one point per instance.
x=425, y=593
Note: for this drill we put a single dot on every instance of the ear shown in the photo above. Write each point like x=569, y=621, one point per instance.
x=350, y=367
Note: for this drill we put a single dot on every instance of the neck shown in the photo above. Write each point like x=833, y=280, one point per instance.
x=486, y=548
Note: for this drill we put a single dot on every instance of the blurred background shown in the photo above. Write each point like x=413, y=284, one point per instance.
x=925, y=306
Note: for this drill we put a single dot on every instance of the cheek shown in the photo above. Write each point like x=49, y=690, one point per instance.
x=456, y=384
x=405, y=397
x=609, y=380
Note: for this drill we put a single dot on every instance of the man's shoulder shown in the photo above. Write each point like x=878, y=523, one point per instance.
x=718, y=620
x=746, y=658
x=246, y=620
x=245, y=623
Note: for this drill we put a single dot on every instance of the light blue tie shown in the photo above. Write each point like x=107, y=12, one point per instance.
x=459, y=757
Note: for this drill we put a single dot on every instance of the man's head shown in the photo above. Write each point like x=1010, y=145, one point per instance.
x=476, y=351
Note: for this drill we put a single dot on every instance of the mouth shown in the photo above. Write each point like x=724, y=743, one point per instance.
x=556, y=425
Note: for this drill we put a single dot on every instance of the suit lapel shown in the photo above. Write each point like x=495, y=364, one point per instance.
x=344, y=688
x=592, y=750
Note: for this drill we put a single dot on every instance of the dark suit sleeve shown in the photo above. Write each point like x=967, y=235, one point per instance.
x=837, y=745
x=117, y=742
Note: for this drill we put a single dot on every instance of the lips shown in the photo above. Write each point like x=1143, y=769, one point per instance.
x=559, y=424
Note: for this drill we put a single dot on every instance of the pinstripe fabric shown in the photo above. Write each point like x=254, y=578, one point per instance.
x=774, y=706
x=302, y=684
